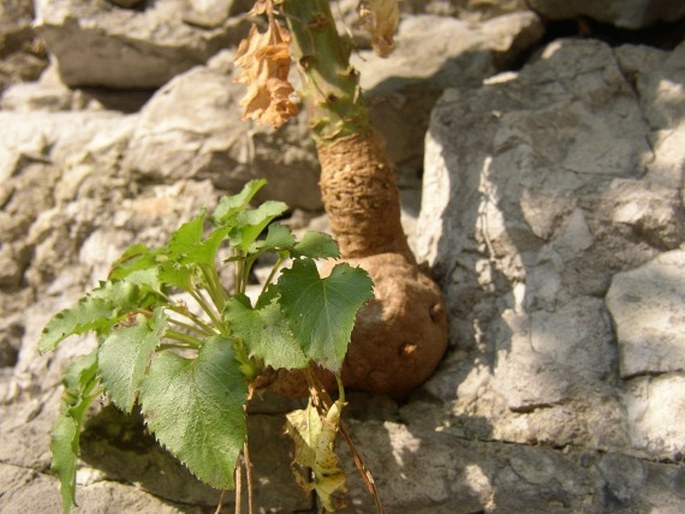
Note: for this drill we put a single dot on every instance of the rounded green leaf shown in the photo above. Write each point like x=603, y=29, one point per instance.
x=321, y=311
x=124, y=356
x=195, y=409
x=266, y=334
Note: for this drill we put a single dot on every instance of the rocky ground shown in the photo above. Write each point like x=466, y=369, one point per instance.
x=540, y=149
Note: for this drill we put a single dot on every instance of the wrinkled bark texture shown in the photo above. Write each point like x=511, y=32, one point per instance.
x=361, y=198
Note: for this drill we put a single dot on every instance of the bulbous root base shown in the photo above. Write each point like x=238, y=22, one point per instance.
x=398, y=339
x=401, y=335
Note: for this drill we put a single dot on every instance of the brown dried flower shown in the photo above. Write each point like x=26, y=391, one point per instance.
x=265, y=62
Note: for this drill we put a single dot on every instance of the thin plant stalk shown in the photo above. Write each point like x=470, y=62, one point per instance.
x=324, y=402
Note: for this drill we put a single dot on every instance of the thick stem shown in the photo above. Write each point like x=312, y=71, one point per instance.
x=330, y=86
x=361, y=198
x=357, y=182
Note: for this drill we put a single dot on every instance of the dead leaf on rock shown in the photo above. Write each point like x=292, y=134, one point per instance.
x=264, y=59
x=380, y=18
x=314, y=437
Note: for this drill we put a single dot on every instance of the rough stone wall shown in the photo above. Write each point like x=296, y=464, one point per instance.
x=556, y=215
x=552, y=215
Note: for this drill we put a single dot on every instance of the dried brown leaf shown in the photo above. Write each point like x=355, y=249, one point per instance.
x=380, y=18
x=264, y=59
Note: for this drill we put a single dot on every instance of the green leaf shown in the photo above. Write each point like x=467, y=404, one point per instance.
x=230, y=206
x=176, y=275
x=124, y=356
x=98, y=311
x=186, y=237
x=251, y=223
x=278, y=238
x=135, y=258
x=321, y=312
x=79, y=381
x=195, y=409
x=314, y=438
x=316, y=245
x=205, y=251
x=266, y=333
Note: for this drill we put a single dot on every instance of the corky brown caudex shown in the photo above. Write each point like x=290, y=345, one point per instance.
x=399, y=336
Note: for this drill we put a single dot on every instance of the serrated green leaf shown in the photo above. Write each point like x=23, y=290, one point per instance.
x=80, y=382
x=204, y=252
x=229, y=206
x=250, y=223
x=64, y=445
x=195, y=409
x=321, y=311
x=98, y=311
x=134, y=259
x=147, y=279
x=186, y=237
x=314, y=438
x=124, y=356
x=316, y=245
x=176, y=275
x=278, y=238
x=266, y=334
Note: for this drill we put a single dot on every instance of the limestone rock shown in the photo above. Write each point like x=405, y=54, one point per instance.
x=539, y=186
x=647, y=306
x=529, y=143
x=435, y=471
x=632, y=14
x=655, y=409
x=434, y=52
x=99, y=44
x=191, y=128
x=22, y=56
x=547, y=358
x=28, y=490
x=33, y=96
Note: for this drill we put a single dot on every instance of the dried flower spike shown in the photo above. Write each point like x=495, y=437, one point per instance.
x=264, y=59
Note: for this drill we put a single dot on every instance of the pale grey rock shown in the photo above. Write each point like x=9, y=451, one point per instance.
x=655, y=408
x=211, y=13
x=33, y=96
x=661, y=90
x=58, y=137
x=548, y=358
x=191, y=128
x=447, y=51
x=530, y=143
x=434, y=471
x=654, y=212
x=647, y=305
x=49, y=94
x=450, y=50
x=537, y=190
x=98, y=44
x=22, y=56
x=658, y=77
x=632, y=14
x=434, y=52
x=27, y=490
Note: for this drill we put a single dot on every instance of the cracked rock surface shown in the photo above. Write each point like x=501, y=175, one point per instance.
x=563, y=273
